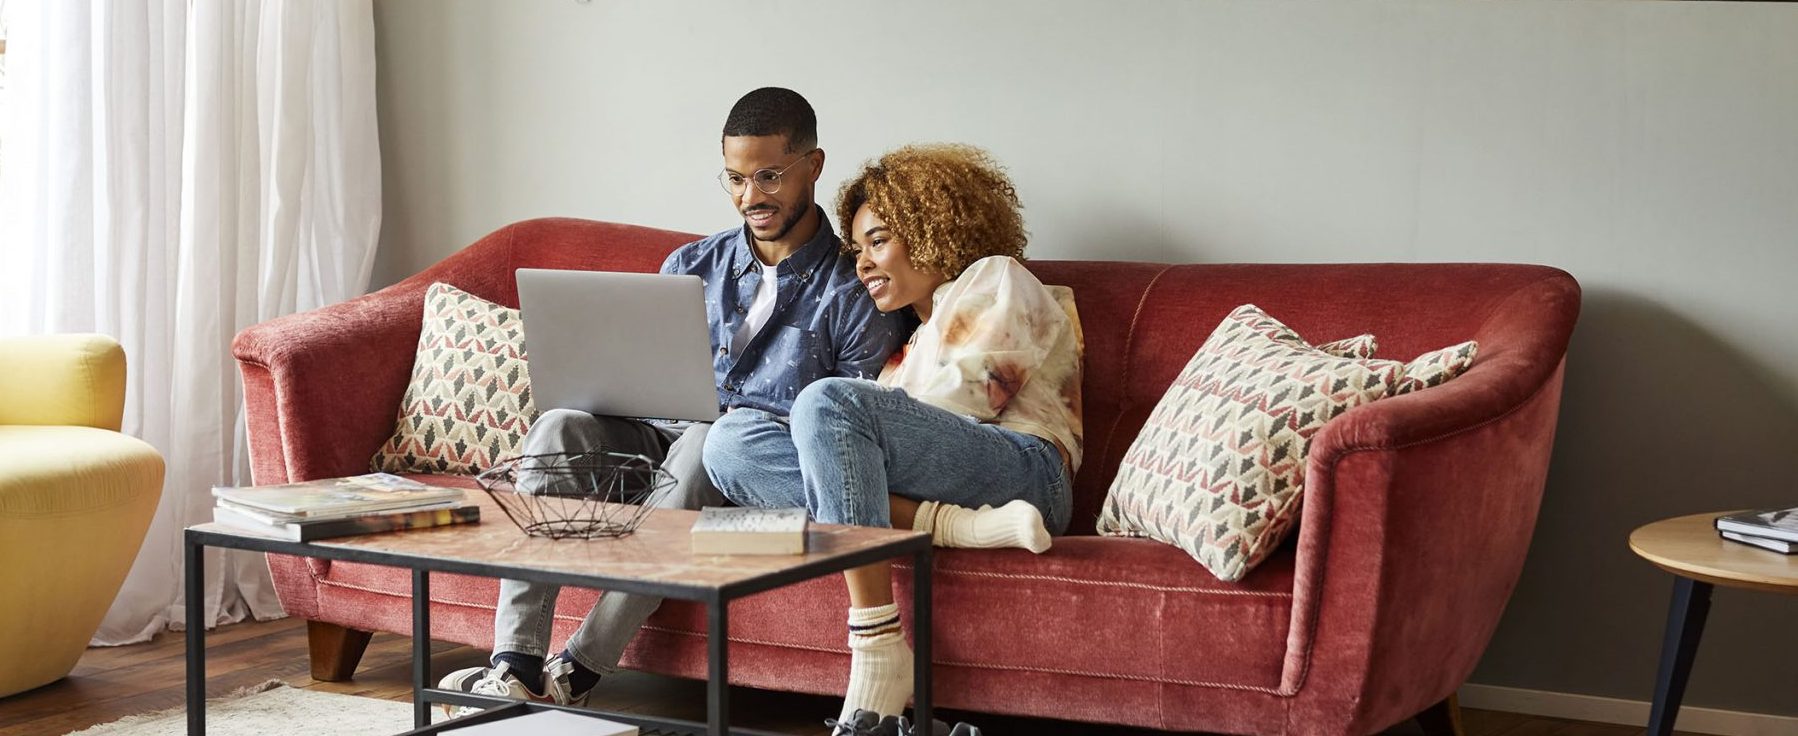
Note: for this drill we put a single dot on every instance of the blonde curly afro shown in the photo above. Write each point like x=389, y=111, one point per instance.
x=950, y=204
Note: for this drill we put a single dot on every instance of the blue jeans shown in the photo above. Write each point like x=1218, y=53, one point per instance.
x=850, y=442
x=522, y=617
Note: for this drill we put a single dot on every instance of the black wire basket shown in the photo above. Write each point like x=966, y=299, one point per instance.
x=577, y=495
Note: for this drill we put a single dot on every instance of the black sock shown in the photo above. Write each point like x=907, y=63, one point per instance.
x=528, y=668
x=580, y=679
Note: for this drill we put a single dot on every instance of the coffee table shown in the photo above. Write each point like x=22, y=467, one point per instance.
x=655, y=560
x=1688, y=547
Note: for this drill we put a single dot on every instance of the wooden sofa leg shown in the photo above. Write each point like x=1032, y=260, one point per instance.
x=335, y=650
x=1442, y=719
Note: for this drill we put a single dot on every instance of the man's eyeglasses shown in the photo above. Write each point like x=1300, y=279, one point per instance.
x=767, y=180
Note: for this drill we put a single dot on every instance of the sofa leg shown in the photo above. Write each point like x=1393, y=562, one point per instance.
x=335, y=650
x=1442, y=719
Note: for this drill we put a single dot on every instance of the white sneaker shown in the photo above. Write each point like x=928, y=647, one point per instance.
x=497, y=681
x=555, y=683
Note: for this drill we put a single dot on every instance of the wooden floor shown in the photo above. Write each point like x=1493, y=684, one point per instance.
x=110, y=683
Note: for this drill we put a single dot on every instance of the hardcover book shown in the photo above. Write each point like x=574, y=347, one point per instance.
x=338, y=497
x=1777, y=545
x=1773, y=524
x=749, y=531
x=308, y=530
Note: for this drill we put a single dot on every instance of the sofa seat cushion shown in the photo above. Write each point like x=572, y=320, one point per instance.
x=1079, y=609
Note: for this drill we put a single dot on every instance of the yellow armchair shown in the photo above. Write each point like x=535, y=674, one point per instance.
x=76, y=498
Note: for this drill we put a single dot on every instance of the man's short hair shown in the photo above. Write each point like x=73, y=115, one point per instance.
x=775, y=111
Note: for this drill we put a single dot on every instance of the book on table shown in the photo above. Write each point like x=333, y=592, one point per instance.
x=1777, y=545
x=338, y=497
x=1771, y=524
x=749, y=531
x=300, y=529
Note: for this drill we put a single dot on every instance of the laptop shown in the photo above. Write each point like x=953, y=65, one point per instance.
x=618, y=344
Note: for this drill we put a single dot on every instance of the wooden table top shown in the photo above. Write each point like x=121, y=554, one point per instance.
x=1688, y=546
x=660, y=550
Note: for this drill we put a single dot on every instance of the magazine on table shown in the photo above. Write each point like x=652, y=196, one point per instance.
x=1772, y=523
x=338, y=497
x=306, y=530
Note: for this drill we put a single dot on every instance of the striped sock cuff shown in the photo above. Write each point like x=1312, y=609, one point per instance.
x=874, y=620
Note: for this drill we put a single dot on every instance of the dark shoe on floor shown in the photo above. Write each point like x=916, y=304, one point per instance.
x=865, y=723
x=556, y=688
x=938, y=728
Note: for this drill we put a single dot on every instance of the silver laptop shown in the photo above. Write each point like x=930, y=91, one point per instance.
x=618, y=344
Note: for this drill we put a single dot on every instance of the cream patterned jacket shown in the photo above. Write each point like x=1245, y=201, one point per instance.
x=1002, y=348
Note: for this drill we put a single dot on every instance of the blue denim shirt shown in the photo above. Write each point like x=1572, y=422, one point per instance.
x=823, y=322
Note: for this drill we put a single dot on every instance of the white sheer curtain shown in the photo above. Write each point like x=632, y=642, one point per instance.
x=175, y=171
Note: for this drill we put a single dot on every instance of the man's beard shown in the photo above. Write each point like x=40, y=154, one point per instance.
x=787, y=225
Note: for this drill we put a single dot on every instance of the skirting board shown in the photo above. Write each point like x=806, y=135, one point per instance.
x=1622, y=712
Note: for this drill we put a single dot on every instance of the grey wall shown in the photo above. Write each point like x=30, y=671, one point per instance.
x=1650, y=148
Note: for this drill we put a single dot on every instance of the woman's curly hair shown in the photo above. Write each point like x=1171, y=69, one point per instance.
x=950, y=204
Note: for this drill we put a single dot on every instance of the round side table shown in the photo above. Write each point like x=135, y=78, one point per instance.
x=1688, y=547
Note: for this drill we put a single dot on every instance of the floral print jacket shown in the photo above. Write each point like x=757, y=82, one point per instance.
x=1001, y=348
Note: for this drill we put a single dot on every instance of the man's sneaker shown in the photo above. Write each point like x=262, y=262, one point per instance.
x=555, y=683
x=497, y=681
x=864, y=723
x=937, y=728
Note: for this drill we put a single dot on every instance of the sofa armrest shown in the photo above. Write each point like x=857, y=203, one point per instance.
x=73, y=380
x=321, y=388
x=1418, y=515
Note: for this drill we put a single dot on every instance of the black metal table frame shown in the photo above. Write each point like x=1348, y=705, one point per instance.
x=716, y=599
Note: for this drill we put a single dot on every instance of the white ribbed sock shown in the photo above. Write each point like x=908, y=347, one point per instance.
x=880, y=662
x=1016, y=524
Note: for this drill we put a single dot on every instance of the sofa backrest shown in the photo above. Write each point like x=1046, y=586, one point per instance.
x=1143, y=321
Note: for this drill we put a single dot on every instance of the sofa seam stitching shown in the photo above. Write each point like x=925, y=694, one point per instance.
x=1117, y=417
x=968, y=573
x=1103, y=583
x=979, y=665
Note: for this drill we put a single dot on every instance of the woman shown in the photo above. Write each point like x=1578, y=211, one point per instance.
x=973, y=428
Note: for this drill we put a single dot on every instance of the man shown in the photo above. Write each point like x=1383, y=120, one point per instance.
x=785, y=309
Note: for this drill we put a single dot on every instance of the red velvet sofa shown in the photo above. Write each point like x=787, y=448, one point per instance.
x=1413, y=532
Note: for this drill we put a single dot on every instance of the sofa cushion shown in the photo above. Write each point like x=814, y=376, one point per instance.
x=1219, y=466
x=469, y=401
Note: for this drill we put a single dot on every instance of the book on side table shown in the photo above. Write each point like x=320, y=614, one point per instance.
x=1777, y=545
x=1774, y=523
x=337, y=507
x=749, y=531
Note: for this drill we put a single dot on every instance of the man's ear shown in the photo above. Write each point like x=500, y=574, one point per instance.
x=818, y=168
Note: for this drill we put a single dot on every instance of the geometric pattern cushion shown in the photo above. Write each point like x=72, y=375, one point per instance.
x=1218, y=469
x=469, y=402
x=1359, y=346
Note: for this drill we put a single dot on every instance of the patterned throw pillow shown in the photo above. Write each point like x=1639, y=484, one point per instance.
x=1219, y=468
x=1359, y=346
x=469, y=403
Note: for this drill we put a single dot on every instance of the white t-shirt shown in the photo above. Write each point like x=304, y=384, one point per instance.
x=759, y=310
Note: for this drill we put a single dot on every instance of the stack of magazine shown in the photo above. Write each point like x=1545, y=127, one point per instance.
x=1775, y=529
x=339, y=507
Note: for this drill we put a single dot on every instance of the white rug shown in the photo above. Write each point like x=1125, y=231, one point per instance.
x=273, y=708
